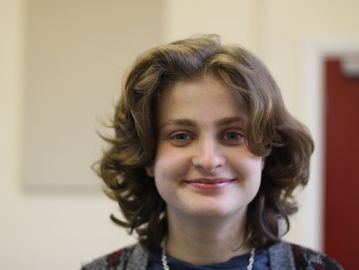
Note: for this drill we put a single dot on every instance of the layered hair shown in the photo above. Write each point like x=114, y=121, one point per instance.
x=272, y=133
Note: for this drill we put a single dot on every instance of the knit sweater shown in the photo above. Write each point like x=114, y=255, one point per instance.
x=282, y=255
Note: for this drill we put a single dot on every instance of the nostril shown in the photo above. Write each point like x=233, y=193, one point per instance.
x=209, y=164
x=207, y=155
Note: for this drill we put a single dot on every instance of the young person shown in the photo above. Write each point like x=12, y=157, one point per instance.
x=204, y=162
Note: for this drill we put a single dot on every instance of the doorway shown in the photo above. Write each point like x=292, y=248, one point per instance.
x=341, y=175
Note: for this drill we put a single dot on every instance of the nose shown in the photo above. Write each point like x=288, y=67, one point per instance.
x=207, y=156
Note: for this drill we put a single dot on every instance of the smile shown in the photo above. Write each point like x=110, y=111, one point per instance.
x=209, y=184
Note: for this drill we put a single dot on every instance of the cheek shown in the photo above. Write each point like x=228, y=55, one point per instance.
x=165, y=175
x=250, y=173
x=255, y=169
x=255, y=174
x=169, y=166
x=250, y=170
x=169, y=159
x=167, y=169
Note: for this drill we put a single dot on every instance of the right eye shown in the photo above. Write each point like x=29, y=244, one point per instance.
x=181, y=138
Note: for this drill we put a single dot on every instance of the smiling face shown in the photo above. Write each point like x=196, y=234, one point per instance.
x=203, y=166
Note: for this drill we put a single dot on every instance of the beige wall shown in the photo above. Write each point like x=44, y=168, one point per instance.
x=282, y=33
x=290, y=30
x=75, y=54
x=60, y=230
x=61, y=66
x=235, y=21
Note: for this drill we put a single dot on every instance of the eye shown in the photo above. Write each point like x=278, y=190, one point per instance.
x=233, y=137
x=181, y=138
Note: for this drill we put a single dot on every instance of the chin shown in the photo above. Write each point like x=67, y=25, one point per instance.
x=212, y=212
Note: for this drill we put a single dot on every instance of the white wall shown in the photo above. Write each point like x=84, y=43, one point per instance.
x=60, y=230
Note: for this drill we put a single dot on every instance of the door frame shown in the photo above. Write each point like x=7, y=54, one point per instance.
x=316, y=51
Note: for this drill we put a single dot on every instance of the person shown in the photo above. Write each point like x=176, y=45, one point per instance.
x=204, y=162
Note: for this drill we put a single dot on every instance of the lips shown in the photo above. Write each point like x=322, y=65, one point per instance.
x=209, y=184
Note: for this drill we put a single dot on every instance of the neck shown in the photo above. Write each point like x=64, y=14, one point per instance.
x=207, y=239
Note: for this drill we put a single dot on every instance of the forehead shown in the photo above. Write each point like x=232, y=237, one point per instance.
x=200, y=99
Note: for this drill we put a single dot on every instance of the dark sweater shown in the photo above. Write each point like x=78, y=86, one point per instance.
x=282, y=256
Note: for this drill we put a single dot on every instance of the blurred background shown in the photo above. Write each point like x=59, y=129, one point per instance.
x=61, y=69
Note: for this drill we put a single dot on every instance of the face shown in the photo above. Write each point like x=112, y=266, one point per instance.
x=203, y=166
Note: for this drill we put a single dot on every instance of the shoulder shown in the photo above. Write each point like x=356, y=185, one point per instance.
x=306, y=257
x=299, y=257
x=131, y=257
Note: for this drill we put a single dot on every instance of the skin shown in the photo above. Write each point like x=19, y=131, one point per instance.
x=204, y=170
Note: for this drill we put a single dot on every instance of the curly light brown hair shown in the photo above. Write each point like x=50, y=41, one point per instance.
x=272, y=133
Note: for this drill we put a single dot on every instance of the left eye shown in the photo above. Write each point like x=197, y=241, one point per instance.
x=181, y=137
x=232, y=136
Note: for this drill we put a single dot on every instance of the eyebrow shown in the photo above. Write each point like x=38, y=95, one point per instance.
x=185, y=122
x=231, y=120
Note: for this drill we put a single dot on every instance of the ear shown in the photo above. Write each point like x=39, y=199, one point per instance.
x=150, y=171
